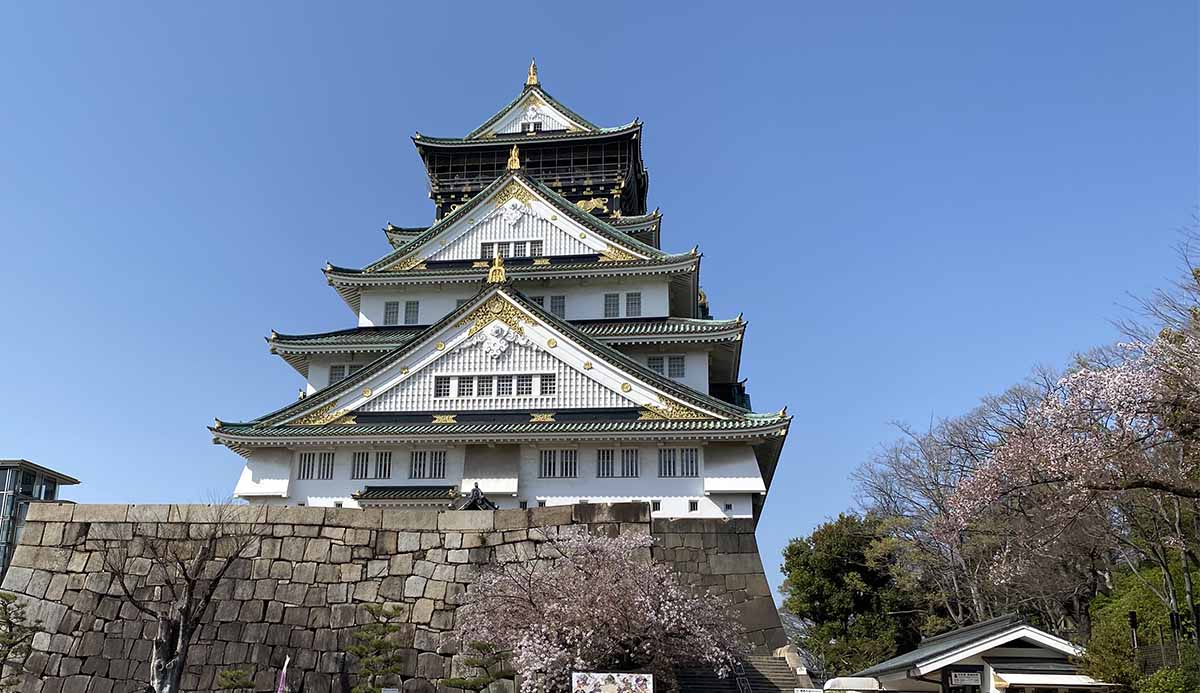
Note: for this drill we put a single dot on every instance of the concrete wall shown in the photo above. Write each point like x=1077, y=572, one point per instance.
x=305, y=588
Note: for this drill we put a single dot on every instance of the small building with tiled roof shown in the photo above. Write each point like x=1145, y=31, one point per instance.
x=527, y=348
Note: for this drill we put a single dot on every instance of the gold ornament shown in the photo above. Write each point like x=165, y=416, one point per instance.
x=445, y=418
x=496, y=273
x=600, y=203
x=615, y=254
x=513, y=191
x=514, y=159
x=670, y=410
x=495, y=308
x=366, y=392
x=541, y=417
x=531, y=80
x=552, y=342
x=319, y=416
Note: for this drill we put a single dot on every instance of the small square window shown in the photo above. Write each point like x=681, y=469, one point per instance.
x=541, y=504
x=485, y=384
x=729, y=507
x=655, y=505
x=412, y=310
x=441, y=386
x=519, y=249
x=633, y=304
x=524, y=505
x=547, y=384
x=558, y=306
x=337, y=374
x=502, y=250
x=540, y=300
x=535, y=248
x=504, y=385
x=676, y=366
x=655, y=363
x=693, y=506
x=487, y=250
x=466, y=386
x=391, y=313
x=612, y=305
x=524, y=384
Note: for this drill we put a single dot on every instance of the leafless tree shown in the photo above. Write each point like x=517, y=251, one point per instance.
x=170, y=572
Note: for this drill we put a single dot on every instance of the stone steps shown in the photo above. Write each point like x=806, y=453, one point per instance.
x=763, y=674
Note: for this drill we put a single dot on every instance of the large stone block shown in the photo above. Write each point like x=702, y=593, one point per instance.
x=410, y=519
x=101, y=513
x=50, y=512
x=476, y=520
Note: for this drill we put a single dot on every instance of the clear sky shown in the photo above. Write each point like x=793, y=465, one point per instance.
x=913, y=203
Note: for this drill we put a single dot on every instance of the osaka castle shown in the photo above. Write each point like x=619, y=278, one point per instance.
x=535, y=345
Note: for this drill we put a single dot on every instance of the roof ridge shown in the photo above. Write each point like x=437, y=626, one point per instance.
x=528, y=89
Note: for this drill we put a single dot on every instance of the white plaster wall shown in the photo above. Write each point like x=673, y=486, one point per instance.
x=695, y=364
x=318, y=366
x=267, y=472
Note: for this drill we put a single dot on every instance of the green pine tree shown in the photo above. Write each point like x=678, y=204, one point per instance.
x=491, y=660
x=379, y=656
x=234, y=679
x=16, y=637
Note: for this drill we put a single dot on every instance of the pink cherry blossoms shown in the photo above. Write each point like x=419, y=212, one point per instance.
x=591, y=603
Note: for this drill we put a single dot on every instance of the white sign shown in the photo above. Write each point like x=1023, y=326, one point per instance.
x=591, y=682
x=966, y=678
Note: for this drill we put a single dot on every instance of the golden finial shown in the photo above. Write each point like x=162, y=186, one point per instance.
x=496, y=273
x=532, y=80
x=514, y=159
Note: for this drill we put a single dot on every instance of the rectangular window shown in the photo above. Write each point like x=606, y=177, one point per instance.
x=358, y=465
x=383, y=465
x=558, y=306
x=540, y=300
x=502, y=250
x=541, y=504
x=676, y=366
x=466, y=386
x=504, y=385
x=568, y=467
x=689, y=462
x=547, y=384
x=524, y=505
x=666, y=463
x=325, y=465
x=655, y=506
x=630, y=464
x=519, y=249
x=604, y=464
x=412, y=311
x=337, y=374
x=612, y=305
x=633, y=304
x=655, y=363
x=487, y=250
x=391, y=313
x=524, y=384
x=535, y=248
x=441, y=386
x=729, y=507
x=427, y=464
x=693, y=506
x=485, y=383
x=548, y=469
x=307, y=465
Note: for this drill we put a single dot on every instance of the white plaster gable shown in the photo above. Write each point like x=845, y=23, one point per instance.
x=496, y=335
x=514, y=212
x=532, y=108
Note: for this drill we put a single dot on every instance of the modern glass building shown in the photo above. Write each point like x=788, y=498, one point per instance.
x=22, y=482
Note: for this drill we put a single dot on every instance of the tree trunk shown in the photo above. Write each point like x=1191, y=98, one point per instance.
x=167, y=661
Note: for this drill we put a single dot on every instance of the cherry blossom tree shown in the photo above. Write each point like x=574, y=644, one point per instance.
x=588, y=602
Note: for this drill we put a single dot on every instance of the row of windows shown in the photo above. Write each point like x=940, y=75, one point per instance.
x=633, y=305
x=625, y=463
x=558, y=304
x=340, y=371
x=422, y=464
x=391, y=312
x=491, y=249
x=670, y=366
x=523, y=385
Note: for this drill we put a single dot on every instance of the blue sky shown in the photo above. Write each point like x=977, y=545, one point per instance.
x=912, y=203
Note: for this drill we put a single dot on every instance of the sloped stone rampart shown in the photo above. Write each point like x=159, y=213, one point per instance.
x=304, y=590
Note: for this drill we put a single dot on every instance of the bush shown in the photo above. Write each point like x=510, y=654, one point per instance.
x=1169, y=681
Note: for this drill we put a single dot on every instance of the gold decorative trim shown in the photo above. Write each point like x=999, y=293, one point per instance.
x=582, y=235
x=445, y=418
x=513, y=191
x=626, y=387
x=319, y=416
x=366, y=392
x=587, y=365
x=409, y=264
x=496, y=308
x=541, y=417
x=440, y=346
x=538, y=261
x=600, y=203
x=404, y=370
x=670, y=410
x=615, y=254
x=553, y=217
x=552, y=342
x=496, y=274
x=346, y=420
x=482, y=264
x=531, y=80
x=514, y=159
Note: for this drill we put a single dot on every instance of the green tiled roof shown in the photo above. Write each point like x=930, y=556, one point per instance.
x=518, y=137
x=537, y=89
x=750, y=423
x=424, y=493
x=516, y=270
x=596, y=224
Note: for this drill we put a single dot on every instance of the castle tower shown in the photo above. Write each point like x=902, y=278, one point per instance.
x=534, y=342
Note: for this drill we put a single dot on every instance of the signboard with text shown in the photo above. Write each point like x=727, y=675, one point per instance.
x=966, y=678
x=592, y=682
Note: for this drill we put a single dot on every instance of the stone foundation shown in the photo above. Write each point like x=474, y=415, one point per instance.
x=305, y=588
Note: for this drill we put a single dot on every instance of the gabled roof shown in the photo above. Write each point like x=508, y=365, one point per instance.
x=333, y=403
x=408, y=254
x=943, y=650
x=544, y=137
x=400, y=235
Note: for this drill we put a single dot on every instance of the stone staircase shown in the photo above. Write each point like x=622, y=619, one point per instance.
x=759, y=674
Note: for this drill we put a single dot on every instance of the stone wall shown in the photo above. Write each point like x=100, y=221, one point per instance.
x=305, y=588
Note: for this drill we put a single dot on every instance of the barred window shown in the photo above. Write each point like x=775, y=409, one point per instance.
x=548, y=469
x=558, y=306
x=325, y=465
x=558, y=464
x=466, y=386
x=306, y=466
x=412, y=312
x=383, y=464
x=630, y=464
x=504, y=385
x=502, y=250
x=441, y=386
x=655, y=363
x=519, y=249
x=547, y=384
x=535, y=248
x=427, y=464
x=676, y=366
x=391, y=313
x=633, y=304
x=337, y=374
x=358, y=465
x=604, y=464
x=655, y=506
x=541, y=504
x=540, y=300
x=485, y=386
x=524, y=384
x=693, y=506
x=689, y=462
x=666, y=462
x=487, y=250
x=612, y=305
